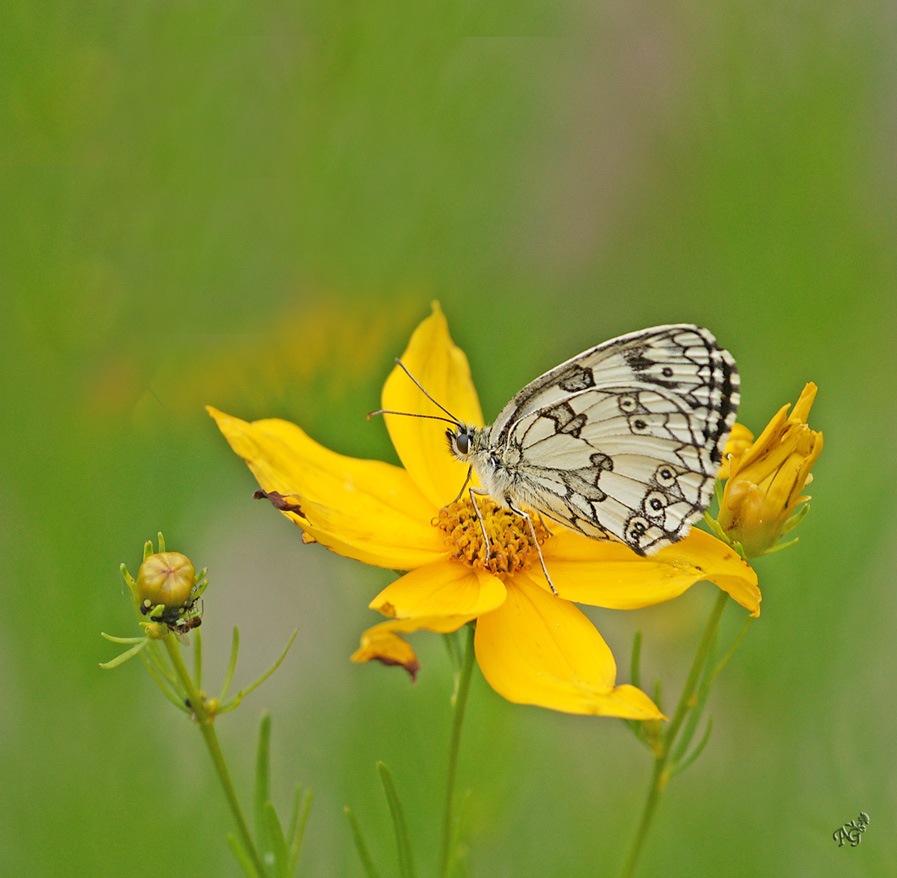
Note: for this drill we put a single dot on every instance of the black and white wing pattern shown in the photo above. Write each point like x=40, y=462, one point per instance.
x=624, y=440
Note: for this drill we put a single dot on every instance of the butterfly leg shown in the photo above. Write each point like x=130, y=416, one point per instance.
x=473, y=492
x=532, y=530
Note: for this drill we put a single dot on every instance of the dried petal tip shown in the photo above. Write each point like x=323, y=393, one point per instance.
x=165, y=578
x=389, y=649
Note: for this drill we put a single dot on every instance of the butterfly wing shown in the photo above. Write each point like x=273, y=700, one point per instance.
x=624, y=440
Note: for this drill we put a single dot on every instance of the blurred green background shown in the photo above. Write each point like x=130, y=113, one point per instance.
x=251, y=205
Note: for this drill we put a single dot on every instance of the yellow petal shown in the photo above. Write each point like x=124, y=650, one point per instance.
x=539, y=649
x=444, y=588
x=365, y=509
x=609, y=574
x=738, y=442
x=381, y=643
x=442, y=370
x=804, y=403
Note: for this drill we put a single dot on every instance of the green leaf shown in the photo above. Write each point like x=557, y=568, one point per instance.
x=234, y=702
x=297, y=828
x=635, y=668
x=278, y=841
x=197, y=659
x=454, y=651
x=231, y=665
x=363, y=854
x=696, y=711
x=242, y=856
x=403, y=840
x=262, y=776
x=676, y=769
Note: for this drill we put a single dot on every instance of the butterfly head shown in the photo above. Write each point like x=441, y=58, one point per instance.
x=460, y=440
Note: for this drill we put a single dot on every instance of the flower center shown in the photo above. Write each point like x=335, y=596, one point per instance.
x=510, y=540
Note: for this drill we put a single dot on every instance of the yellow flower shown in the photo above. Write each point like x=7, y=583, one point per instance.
x=532, y=646
x=766, y=480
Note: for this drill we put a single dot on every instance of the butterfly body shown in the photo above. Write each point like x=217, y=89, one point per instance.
x=623, y=441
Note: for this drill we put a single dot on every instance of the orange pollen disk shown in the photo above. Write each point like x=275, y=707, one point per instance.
x=510, y=540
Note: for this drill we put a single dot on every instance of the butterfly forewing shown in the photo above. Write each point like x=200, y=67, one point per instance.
x=626, y=439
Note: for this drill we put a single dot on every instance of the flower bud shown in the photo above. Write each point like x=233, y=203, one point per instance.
x=766, y=480
x=165, y=578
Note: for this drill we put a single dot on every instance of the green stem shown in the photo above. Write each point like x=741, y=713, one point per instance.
x=660, y=775
x=459, y=703
x=205, y=722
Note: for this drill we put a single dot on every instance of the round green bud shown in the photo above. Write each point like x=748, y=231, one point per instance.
x=165, y=578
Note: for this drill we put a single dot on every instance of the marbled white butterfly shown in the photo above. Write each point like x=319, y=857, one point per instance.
x=623, y=441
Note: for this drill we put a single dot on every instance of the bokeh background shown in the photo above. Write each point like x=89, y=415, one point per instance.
x=252, y=205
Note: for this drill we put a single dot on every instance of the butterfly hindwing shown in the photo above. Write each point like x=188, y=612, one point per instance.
x=625, y=439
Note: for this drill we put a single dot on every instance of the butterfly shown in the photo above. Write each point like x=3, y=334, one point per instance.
x=622, y=442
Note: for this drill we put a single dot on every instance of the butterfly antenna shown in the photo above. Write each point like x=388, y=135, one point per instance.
x=451, y=419
x=410, y=415
x=424, y=392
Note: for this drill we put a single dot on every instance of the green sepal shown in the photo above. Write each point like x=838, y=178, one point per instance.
x=139, y=644
x=797, y=518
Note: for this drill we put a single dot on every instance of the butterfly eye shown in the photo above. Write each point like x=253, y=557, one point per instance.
x=459, y=441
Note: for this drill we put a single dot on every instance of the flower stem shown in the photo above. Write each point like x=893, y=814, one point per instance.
x=205, y=722
x=660, y=775
x=459, y=702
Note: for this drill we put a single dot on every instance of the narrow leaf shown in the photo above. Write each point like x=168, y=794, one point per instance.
x=451, y=646
x=244, y=692
x=231, y=665
x=242, y=856
x=293, y=825
x=278, y=842
x=635, y=669
x=697, y=708
x=162, y=664
x=197, y=659
x=403, y=841
x=262, y=776
x=363, y=854
x=298, y=834
x=167, y=687
x=676, y=769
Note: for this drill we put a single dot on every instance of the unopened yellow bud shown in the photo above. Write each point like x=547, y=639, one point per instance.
x=767, y=479
x=165, y=578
